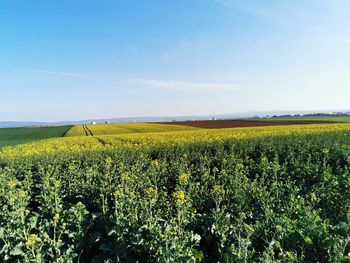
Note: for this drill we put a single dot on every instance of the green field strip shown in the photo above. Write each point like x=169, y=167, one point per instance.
x=14, y=136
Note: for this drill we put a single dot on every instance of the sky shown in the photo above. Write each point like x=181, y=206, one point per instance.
x=81, y=59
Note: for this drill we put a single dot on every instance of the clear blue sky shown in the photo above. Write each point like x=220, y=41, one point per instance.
x=77, y=59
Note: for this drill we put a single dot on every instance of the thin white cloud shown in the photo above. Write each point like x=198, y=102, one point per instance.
x=61, y=73
x=185, y=85
x=254, y=9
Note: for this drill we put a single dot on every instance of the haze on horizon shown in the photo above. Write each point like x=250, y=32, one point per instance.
x=82, y=59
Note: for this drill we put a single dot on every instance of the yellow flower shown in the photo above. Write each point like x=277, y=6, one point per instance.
x=12, y=184
x=217, y=188
x=108, y=160
x=179, y=197
x=57, y=184
x=124, y=177
x=118, y=194
x=183, y=178
x=32, y=240
x=71, y=167
x=150, y=191
x=154, y=163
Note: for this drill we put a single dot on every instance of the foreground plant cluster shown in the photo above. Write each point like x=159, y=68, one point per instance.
x=263, y=199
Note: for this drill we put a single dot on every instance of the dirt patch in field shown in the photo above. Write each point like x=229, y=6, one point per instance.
x=219, y=124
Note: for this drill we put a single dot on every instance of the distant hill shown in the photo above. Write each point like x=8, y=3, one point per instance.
x=15, y=124
x=243, y=115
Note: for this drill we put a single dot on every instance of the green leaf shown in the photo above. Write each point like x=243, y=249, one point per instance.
x=17, y=251
x=308, y=240
x=198, y=255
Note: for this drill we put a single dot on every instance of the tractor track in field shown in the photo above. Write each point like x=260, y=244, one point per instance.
x=66, y=132
x=103, y=142
x=87, y=131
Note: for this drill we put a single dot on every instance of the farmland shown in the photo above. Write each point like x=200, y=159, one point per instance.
x=13, y=136
x=192, y=131
x=220, y=124
x=310, y=118
x=261, y=194
x=79, y=144
x=104, y=129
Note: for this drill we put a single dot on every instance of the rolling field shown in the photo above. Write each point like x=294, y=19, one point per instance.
x=311, y=118
x=109, y=129
x=220, y=124
x=13, y=136
x=79, y=144
x=257, y=194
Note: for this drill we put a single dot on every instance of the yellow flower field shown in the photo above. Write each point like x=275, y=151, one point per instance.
x=139, y=140
x=124, y=128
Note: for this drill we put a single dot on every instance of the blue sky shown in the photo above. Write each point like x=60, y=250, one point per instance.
x=78, y=59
